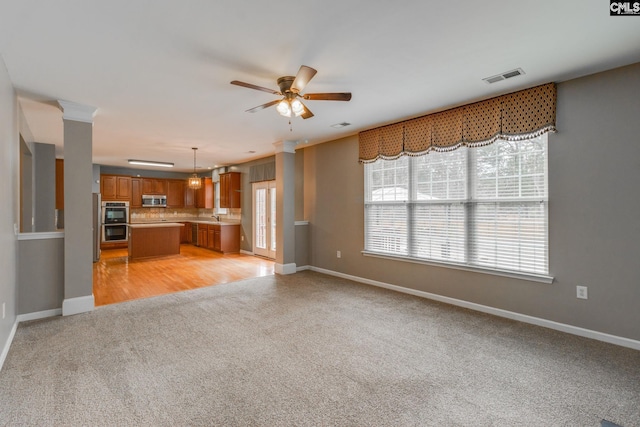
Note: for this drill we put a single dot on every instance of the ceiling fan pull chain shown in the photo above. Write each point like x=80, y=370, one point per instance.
x=290, y=127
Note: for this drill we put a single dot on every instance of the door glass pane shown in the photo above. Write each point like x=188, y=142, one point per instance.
x=261, y=218
x=272, y=201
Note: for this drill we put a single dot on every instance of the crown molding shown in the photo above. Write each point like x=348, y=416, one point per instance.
x=77, y=112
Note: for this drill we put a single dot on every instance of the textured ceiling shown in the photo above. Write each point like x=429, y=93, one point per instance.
x=159, y=71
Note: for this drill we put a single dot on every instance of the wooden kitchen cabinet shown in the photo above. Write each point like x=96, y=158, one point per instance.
x=185, y=233
x=59, y=184
x=217, y=243
x=189, y=197
x=154, y=186
x=228, y=238
x=230, y=190
x=211, y=237
x=203, y=235
x=136, y=193
x=115, y=187
x=175, y=193
x=204, y=195
x=223, y=238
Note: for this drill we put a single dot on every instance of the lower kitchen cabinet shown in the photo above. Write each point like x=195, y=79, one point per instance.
x=185, y=233
x=203, y=235
x=223, y=238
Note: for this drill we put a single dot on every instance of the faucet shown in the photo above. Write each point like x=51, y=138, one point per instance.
x=216, y=217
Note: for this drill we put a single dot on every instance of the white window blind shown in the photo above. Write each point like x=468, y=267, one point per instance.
x=484, y=207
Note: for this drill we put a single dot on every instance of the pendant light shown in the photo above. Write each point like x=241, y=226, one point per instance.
x=194, y=180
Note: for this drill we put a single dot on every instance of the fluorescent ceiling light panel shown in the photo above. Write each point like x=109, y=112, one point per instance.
x=150, y=163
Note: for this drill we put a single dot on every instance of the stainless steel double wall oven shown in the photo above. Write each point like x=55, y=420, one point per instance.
x=115, y=217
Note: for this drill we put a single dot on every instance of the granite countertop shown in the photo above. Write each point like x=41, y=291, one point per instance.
x=157, y=225
x=200, y=220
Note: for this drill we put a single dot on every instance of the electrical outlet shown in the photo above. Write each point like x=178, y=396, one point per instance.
x=242, y=238
x=581, y=292
x=339, y=254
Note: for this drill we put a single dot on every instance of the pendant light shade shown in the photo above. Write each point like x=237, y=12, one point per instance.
x=194, y=181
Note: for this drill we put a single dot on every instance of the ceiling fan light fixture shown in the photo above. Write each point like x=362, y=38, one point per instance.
x=297, y=107
x=284, y=108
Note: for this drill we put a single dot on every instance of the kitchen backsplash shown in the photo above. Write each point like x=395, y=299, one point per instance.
x=138, y=214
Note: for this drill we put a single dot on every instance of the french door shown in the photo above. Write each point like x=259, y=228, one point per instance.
x=264, y=219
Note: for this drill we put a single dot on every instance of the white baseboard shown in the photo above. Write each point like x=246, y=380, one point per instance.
x=574, y=330
x=39, y=315
x=303, y=267
x=242, y=251
x=284, y=268
x=78, y=305
x=7, y=344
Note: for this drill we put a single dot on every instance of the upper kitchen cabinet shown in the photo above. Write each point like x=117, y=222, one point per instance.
x=204, y=195
x=175, y=193
x=59, y=184
x=115, y=187
x=189, y=197
x=153, y=186
x=136, y=193
x=230, y=190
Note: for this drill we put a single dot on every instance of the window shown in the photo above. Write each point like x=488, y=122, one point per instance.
x=482, y=207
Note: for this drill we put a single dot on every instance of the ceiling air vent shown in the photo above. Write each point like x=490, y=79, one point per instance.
x=504, y=76
x=340, y=125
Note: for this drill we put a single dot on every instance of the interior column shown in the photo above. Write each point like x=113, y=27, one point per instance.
x=285, y=208
x=78, y=235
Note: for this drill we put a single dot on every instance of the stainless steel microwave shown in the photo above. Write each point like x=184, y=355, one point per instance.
x=154, y=201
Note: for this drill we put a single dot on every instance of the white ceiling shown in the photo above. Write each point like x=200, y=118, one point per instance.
x=159, y=71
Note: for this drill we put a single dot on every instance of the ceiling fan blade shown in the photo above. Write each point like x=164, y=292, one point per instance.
x=250, y=86
x=341, y=96
x=307, y=113
x=305, y=74
x=263, y=106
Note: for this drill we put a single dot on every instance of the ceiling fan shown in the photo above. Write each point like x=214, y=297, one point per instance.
x=291, y=90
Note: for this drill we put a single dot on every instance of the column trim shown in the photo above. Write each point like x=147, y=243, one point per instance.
x=285, y=146
x=285, y=268
x=78, y=305
x=77, y=112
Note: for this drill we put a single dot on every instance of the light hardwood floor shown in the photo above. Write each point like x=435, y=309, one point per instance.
x=117, y=279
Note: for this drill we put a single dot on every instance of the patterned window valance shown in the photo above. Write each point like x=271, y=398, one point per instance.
x=516, y=116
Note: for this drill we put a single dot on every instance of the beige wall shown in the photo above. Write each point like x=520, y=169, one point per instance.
x=594, y=233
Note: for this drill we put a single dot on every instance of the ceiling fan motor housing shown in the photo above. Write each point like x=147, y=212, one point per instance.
x=284, y=83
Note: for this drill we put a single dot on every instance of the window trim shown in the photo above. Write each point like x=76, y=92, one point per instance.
x=541, y=278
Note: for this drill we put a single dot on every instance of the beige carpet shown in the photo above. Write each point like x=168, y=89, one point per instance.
x=309, y=349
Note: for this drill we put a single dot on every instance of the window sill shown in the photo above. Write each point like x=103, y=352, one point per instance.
x=505, y=273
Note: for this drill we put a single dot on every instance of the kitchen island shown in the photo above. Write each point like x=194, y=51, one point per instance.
x=153, y=240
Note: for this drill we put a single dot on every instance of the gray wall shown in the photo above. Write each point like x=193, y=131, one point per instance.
x=40, y=274
x=44, y=182
x=9, y=210
x=26, y=188
x=112, y=170
x=594, y=233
